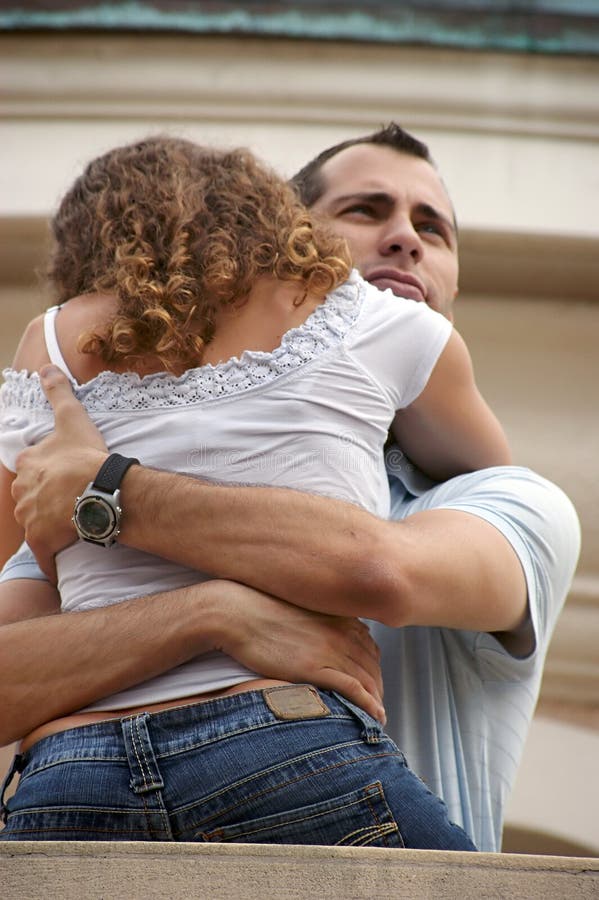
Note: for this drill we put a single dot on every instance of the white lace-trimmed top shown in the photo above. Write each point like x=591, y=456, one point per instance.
x=313, y=415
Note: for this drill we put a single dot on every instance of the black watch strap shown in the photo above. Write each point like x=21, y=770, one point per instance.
x=112, y=472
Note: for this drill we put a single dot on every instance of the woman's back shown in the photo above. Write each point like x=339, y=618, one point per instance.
x=313, y=414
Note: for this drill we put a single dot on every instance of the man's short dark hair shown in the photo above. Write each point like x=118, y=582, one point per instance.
x=309, y=182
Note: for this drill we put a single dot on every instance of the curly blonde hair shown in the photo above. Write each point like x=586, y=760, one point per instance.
x=176, y=231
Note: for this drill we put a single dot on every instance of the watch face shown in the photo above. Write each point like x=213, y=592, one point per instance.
x=95, y=517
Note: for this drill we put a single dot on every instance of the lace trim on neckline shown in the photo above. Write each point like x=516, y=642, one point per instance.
x=325, y=327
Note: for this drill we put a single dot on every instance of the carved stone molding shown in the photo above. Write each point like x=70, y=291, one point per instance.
x=149, y=76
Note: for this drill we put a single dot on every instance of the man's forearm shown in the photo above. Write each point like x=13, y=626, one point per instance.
x=312, y=551
x=55, y=664
x=440, y=567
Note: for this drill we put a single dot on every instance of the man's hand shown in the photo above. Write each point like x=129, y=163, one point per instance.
x=280, y=640
x=54, y=472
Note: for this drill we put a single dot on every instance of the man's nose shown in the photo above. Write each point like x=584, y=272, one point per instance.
x=401, y=239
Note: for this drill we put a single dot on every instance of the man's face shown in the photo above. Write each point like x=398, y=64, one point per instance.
x=395, y=214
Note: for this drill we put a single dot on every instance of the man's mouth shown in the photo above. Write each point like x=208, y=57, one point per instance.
x=401, y=283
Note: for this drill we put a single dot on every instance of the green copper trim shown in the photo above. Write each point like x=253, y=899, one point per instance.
x=557, y=27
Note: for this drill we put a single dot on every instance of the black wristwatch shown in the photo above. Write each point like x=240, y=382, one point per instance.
x=97, y=514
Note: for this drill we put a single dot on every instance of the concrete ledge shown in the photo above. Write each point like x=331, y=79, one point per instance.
x=100, y=871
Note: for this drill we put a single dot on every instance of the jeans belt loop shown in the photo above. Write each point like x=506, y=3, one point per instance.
x=372, y=730
x=143, y=765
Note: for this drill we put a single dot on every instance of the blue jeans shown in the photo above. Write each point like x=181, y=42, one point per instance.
x=285, y=765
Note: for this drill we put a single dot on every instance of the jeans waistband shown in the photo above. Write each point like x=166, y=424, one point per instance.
x=177, y=729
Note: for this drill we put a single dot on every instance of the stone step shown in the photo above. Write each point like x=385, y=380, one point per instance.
x=78, y=870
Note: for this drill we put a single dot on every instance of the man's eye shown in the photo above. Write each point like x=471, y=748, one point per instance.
x=431, y=228
x=362, y=209
x=434, y=230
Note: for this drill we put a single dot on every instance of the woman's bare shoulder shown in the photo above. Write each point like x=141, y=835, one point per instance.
x=75, y=317
x=31, y=352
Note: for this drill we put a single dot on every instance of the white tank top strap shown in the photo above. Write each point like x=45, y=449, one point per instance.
x=52, y=347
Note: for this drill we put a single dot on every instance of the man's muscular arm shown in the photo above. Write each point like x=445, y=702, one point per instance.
x=52, y=665
x=441, y=567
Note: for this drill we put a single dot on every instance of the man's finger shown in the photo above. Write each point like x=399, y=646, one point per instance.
x=362, y=650
x=353, y=690
x=69, y=415
x=57, y=388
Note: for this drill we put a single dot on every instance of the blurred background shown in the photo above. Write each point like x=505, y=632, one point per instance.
x=507, y=96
